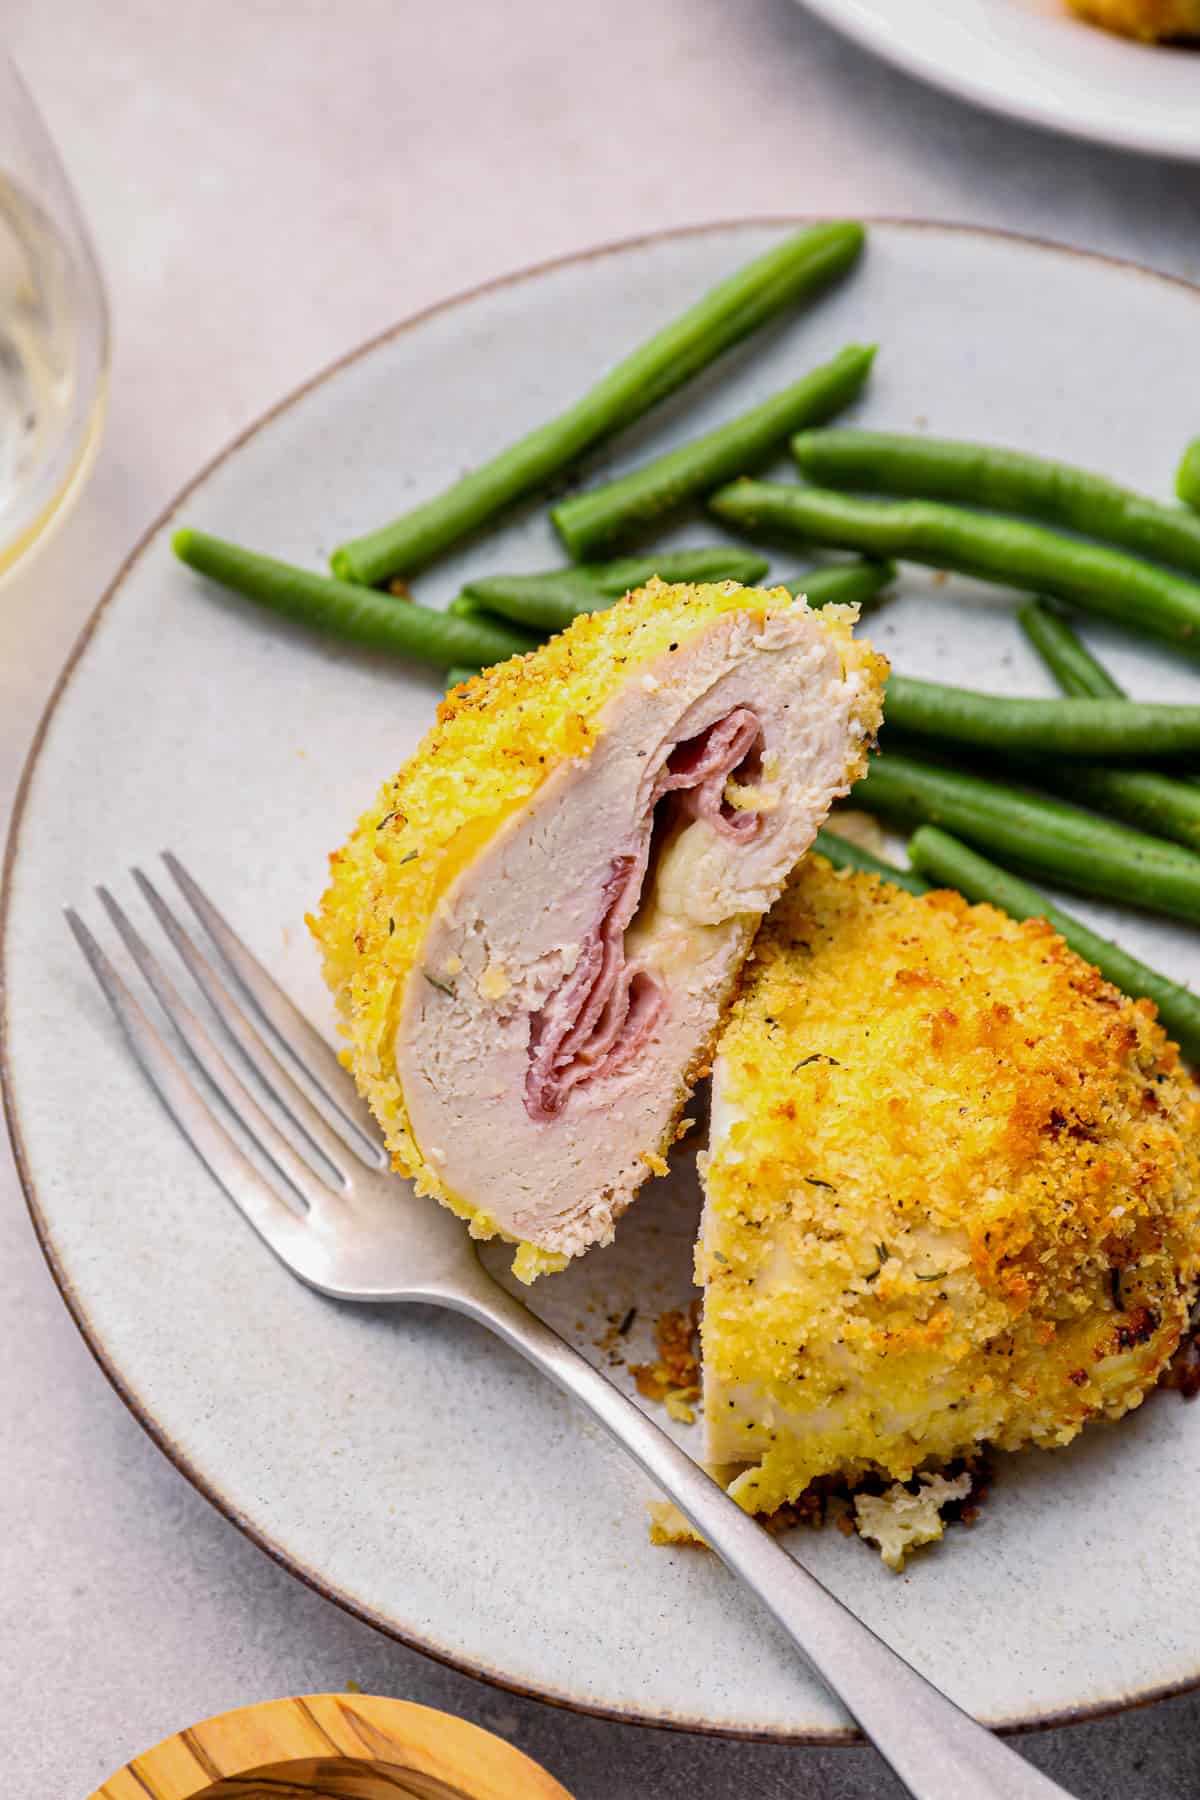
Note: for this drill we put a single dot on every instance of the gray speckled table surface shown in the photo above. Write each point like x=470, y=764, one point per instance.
x=268, y=184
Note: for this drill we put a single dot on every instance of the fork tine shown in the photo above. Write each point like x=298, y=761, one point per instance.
x=291, y=1027
x=279, y=1227
x=245, y=1108
x=258, y=1053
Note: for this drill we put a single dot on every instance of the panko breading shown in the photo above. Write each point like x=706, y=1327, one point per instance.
x=953, y=1195
x=1153, y=20
x=900, y=1520
x=529, y=960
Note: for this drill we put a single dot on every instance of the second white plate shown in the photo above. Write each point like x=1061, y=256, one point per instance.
x=1037, y=61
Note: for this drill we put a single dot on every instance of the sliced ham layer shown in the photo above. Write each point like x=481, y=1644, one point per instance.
x=701, y=767
x=601, y=1016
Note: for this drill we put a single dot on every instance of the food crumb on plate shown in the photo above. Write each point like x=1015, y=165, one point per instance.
x=674, y=1380
x=899, y=1520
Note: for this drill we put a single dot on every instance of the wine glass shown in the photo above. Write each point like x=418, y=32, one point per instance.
x=53, y=328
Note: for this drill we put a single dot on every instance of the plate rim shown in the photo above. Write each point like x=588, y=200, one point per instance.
x=965, y=86
x=108, y=1364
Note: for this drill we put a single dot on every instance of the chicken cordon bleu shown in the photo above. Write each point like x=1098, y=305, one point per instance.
x=533, y=934
x=1150, y=19
x=952, y=1195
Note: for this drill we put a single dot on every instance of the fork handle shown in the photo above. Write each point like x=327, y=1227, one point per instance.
x=935, y=1748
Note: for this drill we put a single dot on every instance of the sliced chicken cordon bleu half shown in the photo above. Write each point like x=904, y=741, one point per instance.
x=533, y=934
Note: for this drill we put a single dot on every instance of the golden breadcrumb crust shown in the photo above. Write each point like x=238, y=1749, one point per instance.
x=960, y=1199
x=495, y=741
x=1149, y=19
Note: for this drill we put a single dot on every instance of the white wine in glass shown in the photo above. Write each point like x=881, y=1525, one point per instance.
x=53, y=329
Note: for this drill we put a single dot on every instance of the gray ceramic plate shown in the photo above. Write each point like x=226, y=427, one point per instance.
x=403, y=1463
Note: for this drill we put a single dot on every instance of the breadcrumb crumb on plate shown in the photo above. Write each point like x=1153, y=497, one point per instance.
x=899, y=1521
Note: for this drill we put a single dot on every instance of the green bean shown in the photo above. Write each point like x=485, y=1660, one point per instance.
x=1158, y=803
x=1066, y=727
x=790, y=272
x=952, y=864
x=463, y=607
x=606, y=515
x=846, y=855
x=1077, y=672
x=931, y=468
x=1187, y=478
x=1041, y=837
x=359, y=615
x=1007, y=551
x=846, y=584
x=706, y=562
x=549, y=601
x=1073, y=667
x=542, y=602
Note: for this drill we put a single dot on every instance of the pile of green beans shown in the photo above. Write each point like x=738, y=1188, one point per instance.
x=951, y=864
x=1075, y=727
x=603, y=516
x=1108, y=582
x=846, y=855
x=795, y=270
x=932, y=468
x=358, y=615
x=1037, y=835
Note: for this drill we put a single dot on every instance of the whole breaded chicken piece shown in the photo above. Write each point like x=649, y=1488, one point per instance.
x=1154, y=20
x=952, y=1197
x=534, y=932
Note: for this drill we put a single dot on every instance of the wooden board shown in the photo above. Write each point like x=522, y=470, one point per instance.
x=345, y=1746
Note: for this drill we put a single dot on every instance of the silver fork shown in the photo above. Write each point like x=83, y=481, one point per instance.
x=357, y=1232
